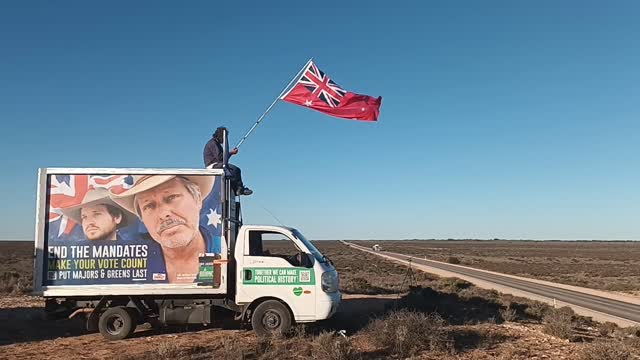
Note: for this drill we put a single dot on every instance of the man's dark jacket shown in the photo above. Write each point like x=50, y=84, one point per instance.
x=212, y=152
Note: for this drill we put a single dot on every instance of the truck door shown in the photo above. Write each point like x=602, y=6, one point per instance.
x=275, y=266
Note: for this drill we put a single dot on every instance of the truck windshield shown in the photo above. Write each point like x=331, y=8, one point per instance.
x=315, y=252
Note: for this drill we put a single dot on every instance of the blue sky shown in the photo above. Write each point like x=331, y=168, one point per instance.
x=498, y=119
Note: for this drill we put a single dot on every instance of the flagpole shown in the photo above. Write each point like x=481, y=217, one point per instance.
x=295, y=78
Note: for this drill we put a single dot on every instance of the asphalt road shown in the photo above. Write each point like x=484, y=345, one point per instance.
x=604, y=305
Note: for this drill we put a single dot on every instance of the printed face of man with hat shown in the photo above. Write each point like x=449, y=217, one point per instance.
x=98, y=215
x=169, y=206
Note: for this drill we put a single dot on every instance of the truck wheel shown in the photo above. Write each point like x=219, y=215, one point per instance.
x=116, y=323
x=271, y=317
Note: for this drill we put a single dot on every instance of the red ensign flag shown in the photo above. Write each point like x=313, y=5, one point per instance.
x=316, y=91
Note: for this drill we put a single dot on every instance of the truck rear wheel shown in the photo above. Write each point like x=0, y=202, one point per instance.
x=271, y=317
x=116, y=323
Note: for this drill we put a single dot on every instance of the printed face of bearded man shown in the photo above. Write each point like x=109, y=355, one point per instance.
x=171, y=212
x=99, y=222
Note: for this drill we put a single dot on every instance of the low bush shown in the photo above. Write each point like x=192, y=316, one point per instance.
x=632, y=330
x=452, y=285
x=607, y=328
x=560, y=323
x=406, y=333
x=167, y=349
x=537, y=310
x=509, y=313
x=329, y=346
x=620, y=285
x=14, y=283
x=277, y=346
x=605, y=350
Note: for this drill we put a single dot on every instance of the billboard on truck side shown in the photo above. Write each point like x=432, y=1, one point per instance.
x=122, y=229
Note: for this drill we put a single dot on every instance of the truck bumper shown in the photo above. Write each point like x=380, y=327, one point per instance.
x=328, y=305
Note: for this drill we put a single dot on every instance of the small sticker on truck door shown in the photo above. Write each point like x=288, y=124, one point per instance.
x=278, y=276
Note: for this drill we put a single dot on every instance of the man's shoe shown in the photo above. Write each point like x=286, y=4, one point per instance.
x=244, y=191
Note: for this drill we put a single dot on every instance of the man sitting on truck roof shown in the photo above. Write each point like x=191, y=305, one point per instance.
x=169, y=206
x=99, y=217
x=213, y=159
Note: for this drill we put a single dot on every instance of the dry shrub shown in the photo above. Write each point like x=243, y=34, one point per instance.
x=360, y=285
x=621, y=285
x=632, y=330
x=474, y=291
x=282, y=346
x=560, y=323
x=509, y=313
x=328, y=346
x=14, y=283
x=231, y=350
x=167, y=350
x=406, y=333
x=607, y=328
x=452, y=285
x=299, y=331
x=605, y=350
x=453, y=260
x=537, y=310
x=270, y=345
x=264, y=345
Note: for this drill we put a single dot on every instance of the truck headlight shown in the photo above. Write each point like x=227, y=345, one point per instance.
x=330, y=281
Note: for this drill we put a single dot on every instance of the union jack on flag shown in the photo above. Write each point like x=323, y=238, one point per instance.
x=324, y=88
x=314, y=90
x=65, y=191
x=116, y=184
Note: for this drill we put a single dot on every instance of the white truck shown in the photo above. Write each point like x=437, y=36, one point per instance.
x=128, y=246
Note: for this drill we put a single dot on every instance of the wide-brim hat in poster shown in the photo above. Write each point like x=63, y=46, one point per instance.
x=92, y=198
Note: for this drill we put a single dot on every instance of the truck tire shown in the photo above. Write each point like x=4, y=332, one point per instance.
x=271, y=317
x=116, y=323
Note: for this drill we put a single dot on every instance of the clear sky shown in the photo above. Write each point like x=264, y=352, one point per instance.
x=499, y=118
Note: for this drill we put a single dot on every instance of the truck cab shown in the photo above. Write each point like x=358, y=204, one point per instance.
x=280, y=263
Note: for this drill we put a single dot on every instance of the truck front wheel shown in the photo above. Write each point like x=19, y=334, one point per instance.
x=116, y=323
x=271, y=317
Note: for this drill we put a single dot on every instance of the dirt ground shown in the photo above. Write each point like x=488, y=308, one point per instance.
x=467, y=323
x=24, y=334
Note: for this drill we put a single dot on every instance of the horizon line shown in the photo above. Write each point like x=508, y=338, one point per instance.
x=425, y=239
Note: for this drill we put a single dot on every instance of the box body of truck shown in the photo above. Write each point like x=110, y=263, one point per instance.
x=168, y=246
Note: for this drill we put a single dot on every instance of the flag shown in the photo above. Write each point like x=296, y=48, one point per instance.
x=317, y=91
x=65, y=191
x=116, y=184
